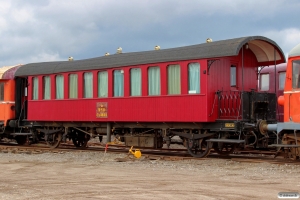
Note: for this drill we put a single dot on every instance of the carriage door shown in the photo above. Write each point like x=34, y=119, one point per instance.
x=21, y=98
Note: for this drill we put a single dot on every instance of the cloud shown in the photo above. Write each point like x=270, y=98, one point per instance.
x=285, y=38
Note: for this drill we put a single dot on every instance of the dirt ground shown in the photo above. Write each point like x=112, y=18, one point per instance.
x=94, y=175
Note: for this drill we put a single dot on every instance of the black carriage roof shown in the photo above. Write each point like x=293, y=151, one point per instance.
x=265, y=50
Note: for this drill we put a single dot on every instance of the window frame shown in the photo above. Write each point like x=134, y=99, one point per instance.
x=153, y=86
x=198, y=84
x=233, y=76
x=136, y=83
x=2, y=93
x=261, y=81
x=295, y=80
x=99, y=84
x=35, y=88
x=86, y=84
x=56, y=87
x=44, y=88
x=281, y=80
x=71, y=85
x=173, y=89
x=121, y=92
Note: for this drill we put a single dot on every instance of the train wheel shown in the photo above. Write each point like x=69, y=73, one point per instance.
x=292, y=152
x=80, y=139
x=21, y=139
x=54, y=140
x=224, y=148
x=198, y=148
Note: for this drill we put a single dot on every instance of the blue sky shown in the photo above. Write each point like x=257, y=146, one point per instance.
x=50, y=30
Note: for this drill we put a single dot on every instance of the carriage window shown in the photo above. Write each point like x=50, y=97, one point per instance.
x=88, y=85
x=264, y=82
x=135, y=82
x=73, y=86
x=174, y=79
x=118, y=83
x=102, y=84
x=154, y=81
x=233, y=76
x=1, y=91
x=46, y=87
x=59, y=86
x=281, y=80
x=35, y=88
x=296, y=74
x=194, y=78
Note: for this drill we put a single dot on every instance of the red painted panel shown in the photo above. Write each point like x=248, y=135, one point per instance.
x=80, y=85
x=52, y=87
x=95, y=83
x=219, y=77
x=184, y=77
x=126, y=82
x=66, y=85
x=163, y=79
x=29, y=90
x=110, y=82
x=144, y=72
x=181, y=108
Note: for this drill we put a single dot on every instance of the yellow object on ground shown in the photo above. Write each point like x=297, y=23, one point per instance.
x=137, y=153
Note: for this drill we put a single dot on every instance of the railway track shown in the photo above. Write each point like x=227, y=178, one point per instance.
x=151, y=154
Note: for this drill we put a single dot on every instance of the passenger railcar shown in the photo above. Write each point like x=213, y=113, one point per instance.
x=204, y=93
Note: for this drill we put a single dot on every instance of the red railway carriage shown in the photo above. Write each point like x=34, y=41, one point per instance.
x=196, y=92
x=272, y=79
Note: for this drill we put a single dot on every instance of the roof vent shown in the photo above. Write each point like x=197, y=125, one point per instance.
x=208, y=40
x=106, y=54
x=157, y=47
x=247, y=46
x=70, y=58
x=119, y=50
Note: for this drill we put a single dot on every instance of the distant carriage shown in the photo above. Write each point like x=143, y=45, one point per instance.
x=272, y=79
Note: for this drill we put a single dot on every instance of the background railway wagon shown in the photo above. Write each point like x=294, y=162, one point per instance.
x=272, y=79
x=172, y=85
x=7, y=96
x=7, y=103
x=150, y=95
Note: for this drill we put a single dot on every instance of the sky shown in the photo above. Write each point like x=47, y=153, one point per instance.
x=53, y=30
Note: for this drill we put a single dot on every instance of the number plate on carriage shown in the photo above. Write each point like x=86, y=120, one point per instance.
x=229, y=125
